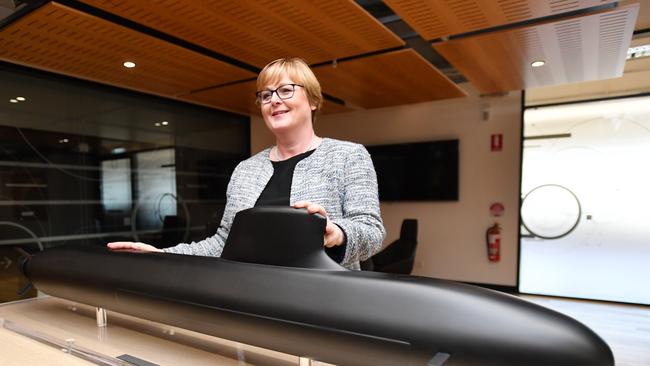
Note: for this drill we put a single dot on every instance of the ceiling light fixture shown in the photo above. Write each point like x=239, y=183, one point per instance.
x=538, y=63
x=165, y=123
x=129, y=64
x=638, y=51
x=63, y=141
x=13, y=101
x=158, y=124
x=21, y=99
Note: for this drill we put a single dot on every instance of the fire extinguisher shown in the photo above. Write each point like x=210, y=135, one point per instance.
x=493, y=241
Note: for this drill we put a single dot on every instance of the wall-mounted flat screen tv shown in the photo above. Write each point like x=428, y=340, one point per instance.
x=424, y=171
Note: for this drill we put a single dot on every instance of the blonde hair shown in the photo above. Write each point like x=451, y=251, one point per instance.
x=299, y=72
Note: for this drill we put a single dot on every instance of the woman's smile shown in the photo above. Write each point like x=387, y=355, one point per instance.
x=280, y=112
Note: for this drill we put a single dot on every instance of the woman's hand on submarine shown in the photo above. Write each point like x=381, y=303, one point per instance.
x=333, y=234
x=128, y=246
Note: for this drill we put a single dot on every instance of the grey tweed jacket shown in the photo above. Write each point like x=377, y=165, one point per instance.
x=339, y=176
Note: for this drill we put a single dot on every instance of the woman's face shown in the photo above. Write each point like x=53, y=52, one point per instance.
x=284, y=115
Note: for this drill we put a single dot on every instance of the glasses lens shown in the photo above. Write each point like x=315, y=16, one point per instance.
x=265, y=96
x=285, y=91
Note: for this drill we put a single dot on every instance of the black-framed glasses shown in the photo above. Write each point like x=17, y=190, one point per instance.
x=283, y=92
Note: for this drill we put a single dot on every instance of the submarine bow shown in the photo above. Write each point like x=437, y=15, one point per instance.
x=327, y=314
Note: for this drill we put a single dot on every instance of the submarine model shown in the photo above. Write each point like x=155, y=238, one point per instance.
x=274, y=287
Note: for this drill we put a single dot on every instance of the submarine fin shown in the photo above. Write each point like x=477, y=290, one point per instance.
x=301, y=246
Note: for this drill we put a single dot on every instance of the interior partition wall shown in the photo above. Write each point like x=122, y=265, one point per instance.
x=586, y=193
x=85, y=164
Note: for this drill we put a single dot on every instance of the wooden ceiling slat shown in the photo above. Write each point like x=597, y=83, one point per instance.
x=580, y=48
x=257, y=32
x=65, y=41
x=442, y=18
x=239, y=98
x=333, y=108
x=394, y=78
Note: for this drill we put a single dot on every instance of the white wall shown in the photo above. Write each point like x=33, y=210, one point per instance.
x=451, y=234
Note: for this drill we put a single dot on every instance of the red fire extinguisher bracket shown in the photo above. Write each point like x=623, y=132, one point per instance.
x=493, y=241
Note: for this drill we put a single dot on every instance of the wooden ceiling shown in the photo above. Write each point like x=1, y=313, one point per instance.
x=574, y=49
x=394, y=78
x=442, y=18
x=259, y=31
x=65, y=41
x=208, y=51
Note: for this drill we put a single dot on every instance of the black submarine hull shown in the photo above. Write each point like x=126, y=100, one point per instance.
x=339, y=317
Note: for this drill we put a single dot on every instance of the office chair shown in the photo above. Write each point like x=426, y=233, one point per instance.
x=398, y=256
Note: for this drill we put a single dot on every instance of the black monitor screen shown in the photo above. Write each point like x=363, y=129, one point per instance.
x=425, y=171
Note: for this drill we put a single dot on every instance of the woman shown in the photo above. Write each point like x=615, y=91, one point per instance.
x=333, y=178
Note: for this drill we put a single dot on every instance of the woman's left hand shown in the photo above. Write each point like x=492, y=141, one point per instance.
x=333, y=234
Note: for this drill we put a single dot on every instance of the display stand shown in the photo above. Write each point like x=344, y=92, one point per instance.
x=56, y=332
x=101, y=317
x=67, y=346
x=305, y=361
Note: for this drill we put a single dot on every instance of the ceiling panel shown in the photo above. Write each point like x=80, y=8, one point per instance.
x=441, y=18
x=333, y=108
x=581, y=48
x=257, y=32
x=240, y=98
x=643, y=20
x=65, y=41
x=394, y=78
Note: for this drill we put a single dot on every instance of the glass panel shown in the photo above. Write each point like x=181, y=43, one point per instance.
x=116, y=185
x=155, y=187
x=85, y=164
x=585, y=188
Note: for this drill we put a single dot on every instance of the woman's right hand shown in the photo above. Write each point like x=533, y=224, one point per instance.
x=129, y=246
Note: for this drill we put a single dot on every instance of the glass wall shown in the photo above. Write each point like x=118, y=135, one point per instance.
x=585, y=184
x=85, y=164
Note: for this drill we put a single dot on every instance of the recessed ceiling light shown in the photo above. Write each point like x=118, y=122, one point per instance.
x=13, y=100
x=21, y=99
x=129, y=64
x=165, y=123
x=63, y=141
x=537, y=63
x=157, y=124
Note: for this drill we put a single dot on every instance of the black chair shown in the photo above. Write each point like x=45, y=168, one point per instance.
x=398, y=256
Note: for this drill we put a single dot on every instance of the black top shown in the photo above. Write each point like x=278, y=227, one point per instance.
x=278, y=192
